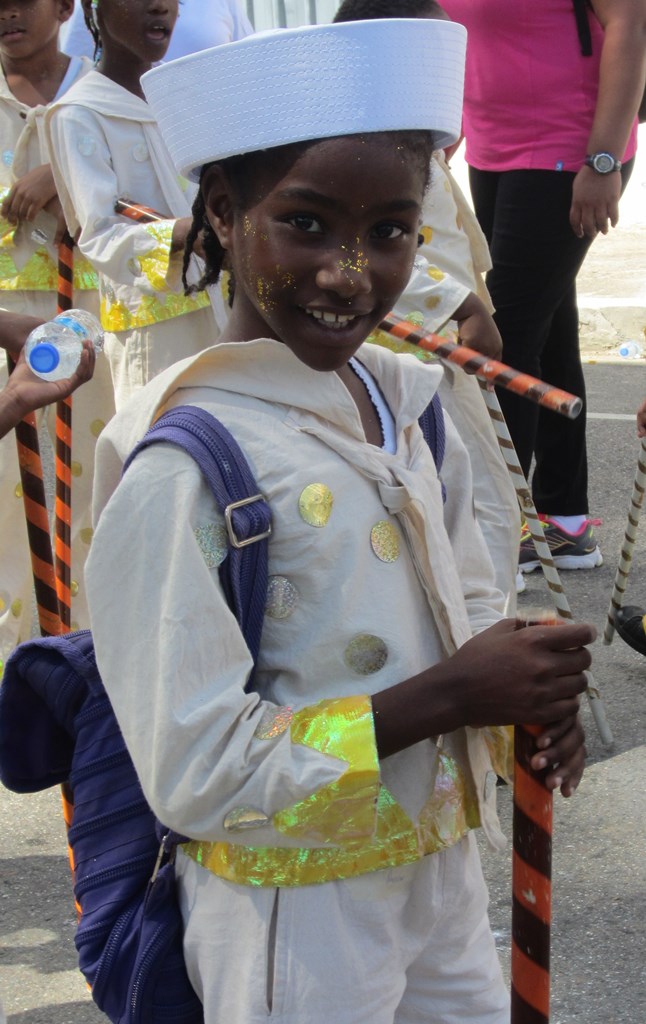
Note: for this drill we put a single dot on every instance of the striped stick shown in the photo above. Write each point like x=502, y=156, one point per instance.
x=63, y=454
x=135, y=211
x=40, y=544
x=630, y=535
x=531, y=912
x=550, y=572
x=486, y=369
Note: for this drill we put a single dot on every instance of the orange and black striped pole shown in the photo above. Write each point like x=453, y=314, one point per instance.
x=40, y=544
x=486, y=369
x=63, y=454
x=531, y=913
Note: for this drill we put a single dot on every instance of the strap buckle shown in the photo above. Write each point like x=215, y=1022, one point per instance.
x=228, y=519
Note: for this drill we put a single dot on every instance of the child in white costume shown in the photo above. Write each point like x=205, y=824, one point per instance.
x=104, y=144
x=34, y=73
x=332, y=874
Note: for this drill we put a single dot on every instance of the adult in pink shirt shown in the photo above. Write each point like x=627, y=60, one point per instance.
x=536, y=108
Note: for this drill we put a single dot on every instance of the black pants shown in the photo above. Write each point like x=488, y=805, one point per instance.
x=536, y=258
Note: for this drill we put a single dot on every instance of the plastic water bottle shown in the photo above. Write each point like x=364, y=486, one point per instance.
x=54, y=349
x=630, y=350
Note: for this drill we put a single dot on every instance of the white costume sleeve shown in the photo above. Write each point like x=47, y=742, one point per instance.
x=126, y=252
x=175, y=665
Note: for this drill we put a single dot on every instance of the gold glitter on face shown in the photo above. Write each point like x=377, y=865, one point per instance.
x=384, y=540
x=315, y=504
x=274, y=722
x=212, y=542
x=366, y=654
x=241, y=819
x=282, y=596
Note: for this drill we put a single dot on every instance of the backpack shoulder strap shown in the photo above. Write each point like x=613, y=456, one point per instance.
x=247, y=515
x=434, y=430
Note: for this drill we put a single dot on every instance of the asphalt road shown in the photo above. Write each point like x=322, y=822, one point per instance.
x=598, y=944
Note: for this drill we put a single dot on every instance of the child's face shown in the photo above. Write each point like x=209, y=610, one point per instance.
x=323, y=254
x=140, y=28
x=28, y=26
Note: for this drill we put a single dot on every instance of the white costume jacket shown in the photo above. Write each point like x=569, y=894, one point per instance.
x=372, y=579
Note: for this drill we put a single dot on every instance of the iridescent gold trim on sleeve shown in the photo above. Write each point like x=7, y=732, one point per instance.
x=452, y=808
x=345, y=809
x=117, y=316
x=500, y=744
x=154, y=263
x=393, y=843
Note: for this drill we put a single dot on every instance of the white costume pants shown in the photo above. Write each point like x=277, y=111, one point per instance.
x=401, y=946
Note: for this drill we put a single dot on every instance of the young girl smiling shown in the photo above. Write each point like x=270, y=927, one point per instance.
x=332, y=873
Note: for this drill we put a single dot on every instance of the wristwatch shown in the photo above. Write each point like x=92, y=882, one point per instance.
x=603, y=163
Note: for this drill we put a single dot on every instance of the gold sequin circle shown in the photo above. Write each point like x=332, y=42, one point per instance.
x=384, y=540
x=315, y=504
x=366, y=654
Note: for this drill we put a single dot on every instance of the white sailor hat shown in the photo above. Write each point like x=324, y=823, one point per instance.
x=319, y=81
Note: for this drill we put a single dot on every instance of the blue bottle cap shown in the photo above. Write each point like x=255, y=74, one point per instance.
x=44, y=357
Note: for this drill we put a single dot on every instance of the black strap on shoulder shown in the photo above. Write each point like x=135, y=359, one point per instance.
x=581, y=8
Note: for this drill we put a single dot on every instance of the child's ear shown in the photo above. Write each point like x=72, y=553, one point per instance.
x=218, y=203
x=65, y=10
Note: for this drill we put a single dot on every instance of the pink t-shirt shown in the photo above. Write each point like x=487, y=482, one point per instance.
x=529, y=95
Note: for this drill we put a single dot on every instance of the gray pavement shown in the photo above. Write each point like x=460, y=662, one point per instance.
x=599, y=946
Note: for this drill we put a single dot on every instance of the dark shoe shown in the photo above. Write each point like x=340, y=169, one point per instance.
x=630, y=623
x=569, y=550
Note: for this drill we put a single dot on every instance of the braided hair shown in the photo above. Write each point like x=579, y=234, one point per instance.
x=92, y=25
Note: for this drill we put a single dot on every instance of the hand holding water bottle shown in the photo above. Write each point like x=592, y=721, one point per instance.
x=24, y=391
x=53, y=350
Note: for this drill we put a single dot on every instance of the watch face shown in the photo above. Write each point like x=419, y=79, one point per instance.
x=603, y=163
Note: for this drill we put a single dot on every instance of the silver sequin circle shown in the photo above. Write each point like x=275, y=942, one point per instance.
x=282, y=596
x=212, y=541
x=274, y=722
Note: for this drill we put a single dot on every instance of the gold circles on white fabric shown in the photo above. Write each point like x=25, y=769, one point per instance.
x=384, y=540
x=315, y=504
x=366, y=654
